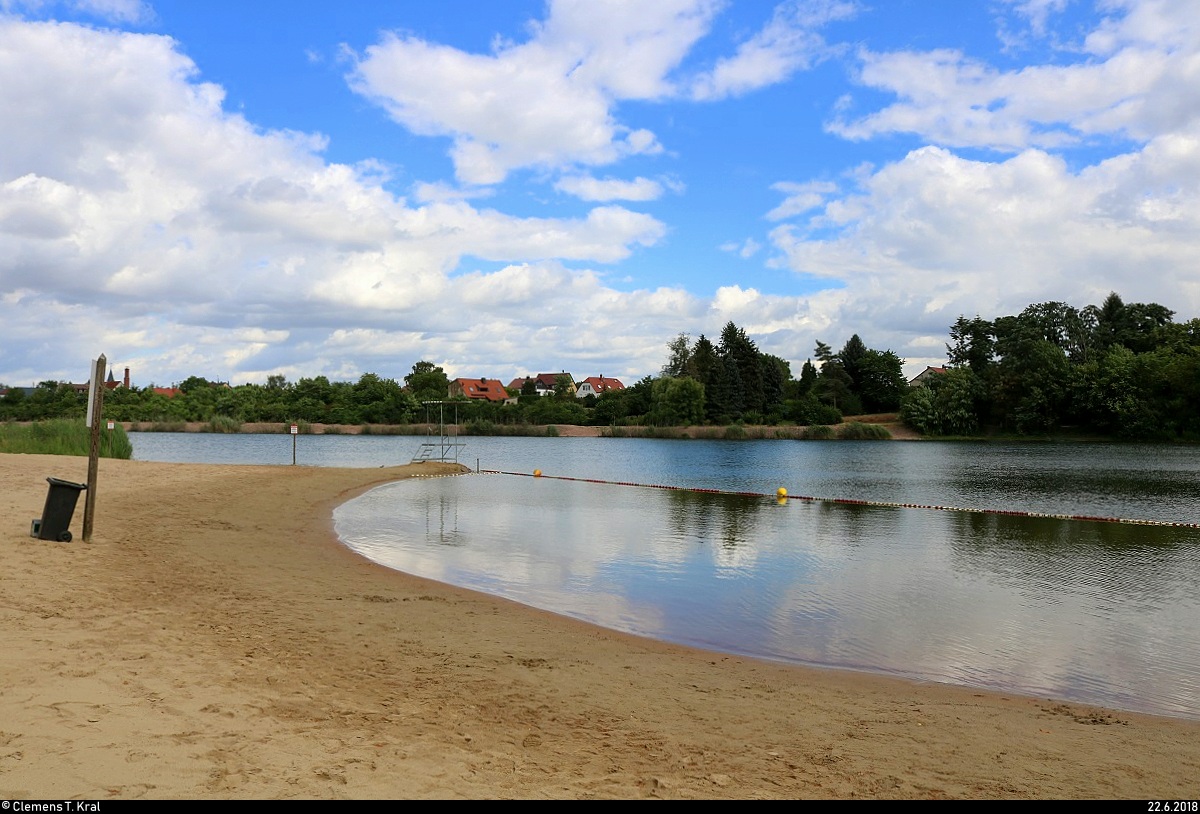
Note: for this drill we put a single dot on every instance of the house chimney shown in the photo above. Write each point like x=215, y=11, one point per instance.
x=126, y=378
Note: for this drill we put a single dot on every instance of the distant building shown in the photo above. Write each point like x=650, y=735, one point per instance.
x=597, y=385
x=110, y=384
x=925, y=375
x=478, y=389
x=543, y=383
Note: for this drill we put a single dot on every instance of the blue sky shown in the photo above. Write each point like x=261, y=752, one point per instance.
x=235, y=190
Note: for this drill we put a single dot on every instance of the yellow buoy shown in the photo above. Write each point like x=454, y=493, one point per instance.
x=537, y=473
x=781, y=492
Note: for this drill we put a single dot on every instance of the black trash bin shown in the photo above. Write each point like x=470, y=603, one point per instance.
x=60, y=505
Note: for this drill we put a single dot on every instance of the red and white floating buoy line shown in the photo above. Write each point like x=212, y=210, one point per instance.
x=782, y=495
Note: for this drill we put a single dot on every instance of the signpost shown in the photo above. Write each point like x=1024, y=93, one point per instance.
x=95, y=407
x=295, y=432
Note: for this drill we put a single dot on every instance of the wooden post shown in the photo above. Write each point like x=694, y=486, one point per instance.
x=95, y=411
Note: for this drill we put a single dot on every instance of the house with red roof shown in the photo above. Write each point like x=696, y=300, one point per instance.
x=543, y=383
x=482, y=389
x=597, y=385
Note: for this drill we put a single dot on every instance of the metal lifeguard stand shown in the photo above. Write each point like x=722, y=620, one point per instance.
x=446, y=448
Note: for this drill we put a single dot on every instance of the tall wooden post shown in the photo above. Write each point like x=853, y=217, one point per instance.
x=95, y=413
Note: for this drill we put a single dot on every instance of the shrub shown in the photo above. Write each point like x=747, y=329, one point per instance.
x=481, y=426
x=858, y=431
x=224, y=424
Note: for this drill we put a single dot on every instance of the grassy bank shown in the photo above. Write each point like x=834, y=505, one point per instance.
x=62, y=436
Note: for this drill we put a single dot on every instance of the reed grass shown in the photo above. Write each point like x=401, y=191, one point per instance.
x=62, y=436
x=858, y=431
x=223, y=424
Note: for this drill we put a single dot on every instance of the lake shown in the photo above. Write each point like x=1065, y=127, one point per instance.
x=934, y=561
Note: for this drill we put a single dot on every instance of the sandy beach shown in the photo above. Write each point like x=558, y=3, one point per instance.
x=214, y=640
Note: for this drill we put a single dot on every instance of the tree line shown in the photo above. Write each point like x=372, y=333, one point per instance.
x=1120, y=370
x=728, y=382
x=1113, y=370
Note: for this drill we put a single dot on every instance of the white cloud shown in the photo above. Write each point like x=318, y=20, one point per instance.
x=589, y=188
x=1038, y=12
x=1139, y=78
x=542, y=103
x=550, y=102
x=745, y=249
x=935, y=236
x=119, y=11
x=931, y=236
x=800, y=198
x=139, y=219
x=116, y=11
x=786, y=44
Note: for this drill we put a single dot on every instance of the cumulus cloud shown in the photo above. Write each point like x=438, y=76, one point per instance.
x=136, y=212
x=935, y=236
x=905, y=248
x=140, y=218
x=788, y=43
x=547, y=102
x=550, y=102
x=1140, y=77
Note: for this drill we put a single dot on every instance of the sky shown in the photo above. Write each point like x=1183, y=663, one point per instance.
x=241, y=190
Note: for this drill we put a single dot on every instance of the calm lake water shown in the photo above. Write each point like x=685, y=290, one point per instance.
x=975, y=592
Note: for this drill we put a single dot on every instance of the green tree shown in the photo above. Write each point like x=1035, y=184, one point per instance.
x=382, y=401
x=880, y=381
x=834, y=385
x=808, y=377
x=776, y=373
x=947, y=405
x=973, y=345
x=676, y=402
x=1033, y=382
x=427, y=382
x=550, y=410
x=679, y=357
x=851, y=356
x=744, y=371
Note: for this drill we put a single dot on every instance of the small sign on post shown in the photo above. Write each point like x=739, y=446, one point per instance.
x=295, y=432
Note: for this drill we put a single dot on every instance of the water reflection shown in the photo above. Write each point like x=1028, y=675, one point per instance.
x=1096, y=612
x=1152, y=482
x=725, y=519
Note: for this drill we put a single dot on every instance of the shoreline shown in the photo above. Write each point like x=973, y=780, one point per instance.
x=215, y=640
x=889, y=421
